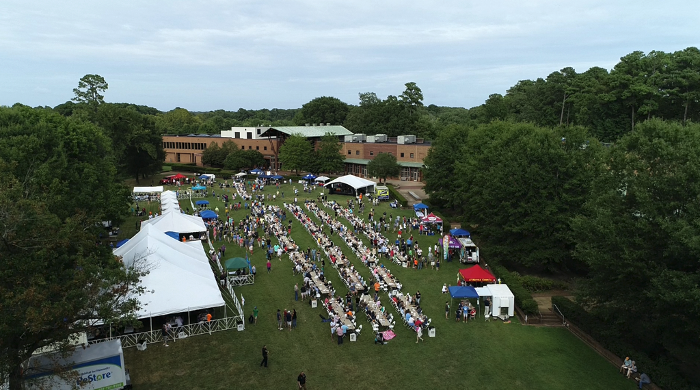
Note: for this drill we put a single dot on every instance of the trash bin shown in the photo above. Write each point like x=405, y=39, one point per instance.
x=314, y=304
x=353, y=337
x=431, y=332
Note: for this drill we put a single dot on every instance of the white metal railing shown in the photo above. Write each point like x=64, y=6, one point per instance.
x=240, y=280
x=237, y=304
x=156, y=336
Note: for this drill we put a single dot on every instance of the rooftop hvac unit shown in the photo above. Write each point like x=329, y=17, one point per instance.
x=406, y=139
x=371, y=139
x=348, y=138
x=360, y=137
x=380, y=138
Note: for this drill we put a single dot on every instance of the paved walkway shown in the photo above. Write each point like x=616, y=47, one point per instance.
x=403, y=187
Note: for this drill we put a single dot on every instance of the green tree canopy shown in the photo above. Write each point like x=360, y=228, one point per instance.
x=384, y=165
x=215, y=155
x=240, y=159
x=59, y=183
x=639, y=236
x=295, y=153
x=137, y=144
x=324, y=109
x=520, y=185
x=327, y=155
x=90, y=90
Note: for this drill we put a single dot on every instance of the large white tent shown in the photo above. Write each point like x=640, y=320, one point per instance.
x=502, y=299
x=148, y=190
x=355, y=182
x=179, y=279
x=177, y=222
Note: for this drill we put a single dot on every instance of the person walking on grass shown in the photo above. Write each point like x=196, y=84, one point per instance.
x=164, y=332
x=447, y=310
x=301, y=381
x=269, y=266
x=279, y=319
x=419, y=334
x=265, y=352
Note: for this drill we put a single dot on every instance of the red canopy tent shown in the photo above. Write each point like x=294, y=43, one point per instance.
x=178, y=176
x=476, y=274
x=431, y=218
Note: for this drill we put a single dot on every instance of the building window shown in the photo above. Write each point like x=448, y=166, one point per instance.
x=371, y=152
x=250, y=147
x=237, y=134
x=249, y=135
x=259, y=131
x=401, y=154
x=264, y=147
x=349, y=152
x=357, y=152
x=412, y=155
x=243, y=147
x=257, y=148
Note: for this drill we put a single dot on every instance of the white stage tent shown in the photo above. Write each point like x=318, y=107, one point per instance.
x=147, y=190
x=177, y=222
x=180, y=278
x=354, y=182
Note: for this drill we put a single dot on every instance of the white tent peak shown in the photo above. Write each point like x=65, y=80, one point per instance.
x=353, y=181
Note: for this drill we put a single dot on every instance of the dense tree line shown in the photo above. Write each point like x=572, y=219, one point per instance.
x=609, y=103
x=622, y=218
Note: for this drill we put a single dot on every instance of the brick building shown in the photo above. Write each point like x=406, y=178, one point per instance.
x=358, y=149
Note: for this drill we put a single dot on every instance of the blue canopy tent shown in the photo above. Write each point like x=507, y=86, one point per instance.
x=419, y=206
x=461, y=292
x=199, y=187
x=201, y=202
x=459, y=233
x=309, y=177
x=204, y=177
x=120, y=243
x=208, y=214
x=257, y=171
x=276, y=177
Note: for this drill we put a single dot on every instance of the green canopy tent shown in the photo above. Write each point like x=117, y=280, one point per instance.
x=235, y=264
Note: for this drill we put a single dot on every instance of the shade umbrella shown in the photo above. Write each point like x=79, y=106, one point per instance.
x=178, y=176
x=257, y=171
x=309, y=177
x=199, y=187
x=276, y=177
x=201, y=202
x=420, y=206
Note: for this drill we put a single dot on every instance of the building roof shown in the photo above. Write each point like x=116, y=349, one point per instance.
x=362, y=161
x=308, y=131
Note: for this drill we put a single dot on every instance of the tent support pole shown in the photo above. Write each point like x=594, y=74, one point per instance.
x=188, y=316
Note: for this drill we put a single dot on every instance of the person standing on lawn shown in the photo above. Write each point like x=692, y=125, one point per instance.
x=301, y=380
x=255, y=315
x=279, y=319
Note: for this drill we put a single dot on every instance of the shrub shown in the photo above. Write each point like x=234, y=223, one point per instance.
x=166, y=168
x=535, y=284
x=523, y=298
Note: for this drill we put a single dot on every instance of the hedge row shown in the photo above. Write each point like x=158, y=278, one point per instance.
x=523, y=298
x=662, y=371
x=536, y=284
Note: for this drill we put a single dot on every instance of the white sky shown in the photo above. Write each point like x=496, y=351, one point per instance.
x=219, y=54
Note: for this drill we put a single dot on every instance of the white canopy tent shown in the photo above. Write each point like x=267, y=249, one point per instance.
x=502, y=299
x=177, y=222
x=355, y=182
x=180, y=278
x=241, y=174
x=322, y=179
x=147, y=190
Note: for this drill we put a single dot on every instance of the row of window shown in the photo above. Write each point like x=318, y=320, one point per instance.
x=196, y=146
x=185, y=145
x=256, y=148
x=371, y=153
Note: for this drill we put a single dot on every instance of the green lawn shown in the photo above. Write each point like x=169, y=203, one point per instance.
x=485, y=355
